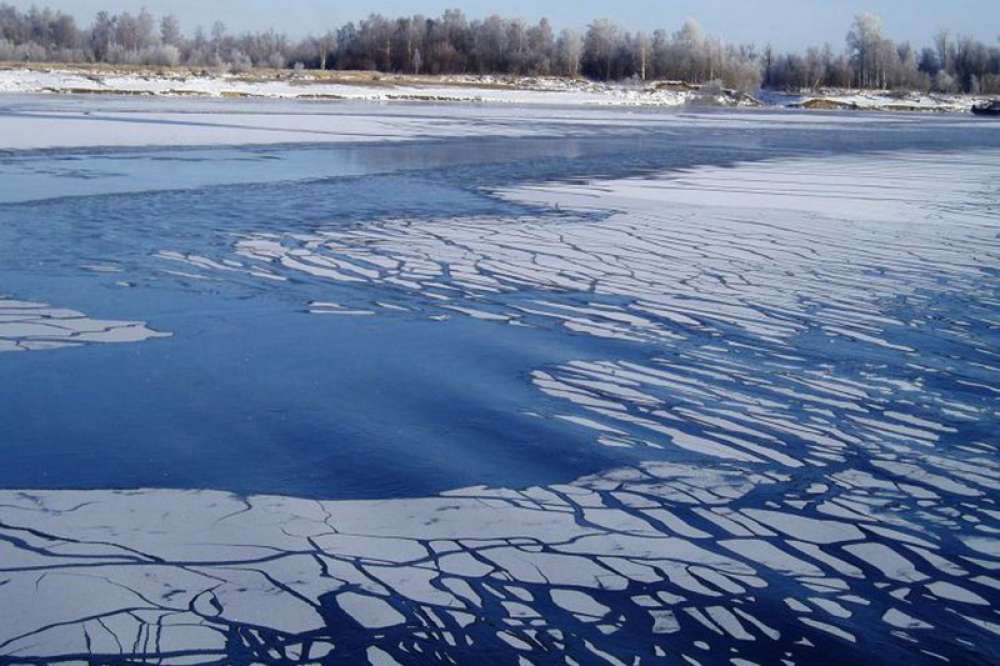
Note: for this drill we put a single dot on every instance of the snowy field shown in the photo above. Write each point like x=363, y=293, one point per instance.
x=446, y=384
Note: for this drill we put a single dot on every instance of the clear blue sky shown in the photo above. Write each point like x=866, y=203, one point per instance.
x=789, y=24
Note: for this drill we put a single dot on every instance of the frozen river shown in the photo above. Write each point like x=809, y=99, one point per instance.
x=298, y=382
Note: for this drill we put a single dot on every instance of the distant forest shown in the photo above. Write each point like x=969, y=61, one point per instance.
x=452, y=44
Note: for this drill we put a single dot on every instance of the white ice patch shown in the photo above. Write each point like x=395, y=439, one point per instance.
x=554, y=556
x=27, y=326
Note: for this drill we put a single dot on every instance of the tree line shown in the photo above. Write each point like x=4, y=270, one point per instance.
x=452, y=44
x=872, y=60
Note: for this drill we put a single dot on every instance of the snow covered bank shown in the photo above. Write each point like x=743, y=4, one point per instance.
x=364, y=86
x=884, y=100
x=375, y=87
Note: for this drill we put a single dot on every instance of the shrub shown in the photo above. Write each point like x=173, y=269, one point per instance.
x=944, y=83
x=165, y=55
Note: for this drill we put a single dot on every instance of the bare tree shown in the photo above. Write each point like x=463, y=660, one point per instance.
x=642, y=53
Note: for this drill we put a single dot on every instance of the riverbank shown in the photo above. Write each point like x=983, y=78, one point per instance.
x=878, y=100
x=94, y=79
x=357, y=86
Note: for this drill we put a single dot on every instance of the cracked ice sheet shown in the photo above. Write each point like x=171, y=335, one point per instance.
x=563, y=568
x=878, y=467
x=871, y=259
x=28, y=326
x=858, y=484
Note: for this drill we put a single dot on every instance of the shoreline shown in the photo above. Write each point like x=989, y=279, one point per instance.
x=352, y=86
x=366, y=86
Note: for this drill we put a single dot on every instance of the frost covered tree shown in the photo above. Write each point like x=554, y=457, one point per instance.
x=170, y=31
x=325, y=46
x=599, y=49
x=865, y=42
x=451, y=44
x=134, y=33
x=944, y=83
x=569, y=50
x=540, y=52
x=102, y=35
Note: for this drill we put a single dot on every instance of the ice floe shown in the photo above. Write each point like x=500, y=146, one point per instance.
x=29, y=326
x=191, y=577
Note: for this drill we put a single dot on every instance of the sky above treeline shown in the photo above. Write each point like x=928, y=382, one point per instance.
x=787, y=24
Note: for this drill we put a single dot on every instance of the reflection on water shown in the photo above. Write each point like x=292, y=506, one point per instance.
x=702, y=407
